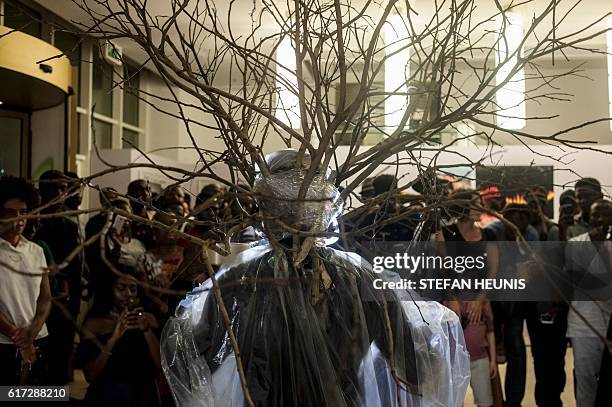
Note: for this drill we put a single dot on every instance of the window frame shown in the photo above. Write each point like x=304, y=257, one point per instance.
x=86, y=100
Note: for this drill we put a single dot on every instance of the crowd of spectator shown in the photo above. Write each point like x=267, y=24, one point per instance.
x=553, y=326
x=115, y=278
x=94, y=293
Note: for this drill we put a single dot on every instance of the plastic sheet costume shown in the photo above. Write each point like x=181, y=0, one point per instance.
x=312, y=334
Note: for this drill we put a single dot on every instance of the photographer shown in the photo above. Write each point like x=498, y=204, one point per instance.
x=120, y=248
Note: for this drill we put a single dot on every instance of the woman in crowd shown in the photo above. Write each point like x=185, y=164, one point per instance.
x=476, y=316
x=163, y=264
x=119, y=350
x=163, y=260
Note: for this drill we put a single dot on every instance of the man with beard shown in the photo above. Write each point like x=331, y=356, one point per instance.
x=547, y=320
x=511, y=314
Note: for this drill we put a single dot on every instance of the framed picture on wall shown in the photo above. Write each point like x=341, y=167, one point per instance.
x=515, y=182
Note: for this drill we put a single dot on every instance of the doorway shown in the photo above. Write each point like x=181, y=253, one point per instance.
x=14, y=143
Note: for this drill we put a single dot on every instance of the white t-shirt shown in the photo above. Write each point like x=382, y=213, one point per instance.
x=585, y=257
x=19, y=284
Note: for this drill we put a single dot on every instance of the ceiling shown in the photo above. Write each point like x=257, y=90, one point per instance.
x=586, y=12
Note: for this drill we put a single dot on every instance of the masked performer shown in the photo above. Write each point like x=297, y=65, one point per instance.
x=310, y=327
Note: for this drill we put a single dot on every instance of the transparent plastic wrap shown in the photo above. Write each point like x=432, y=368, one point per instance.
x=315, y=334
x=277, y=196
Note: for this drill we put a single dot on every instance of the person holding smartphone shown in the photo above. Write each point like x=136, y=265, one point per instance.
x=119, y=349
x=569, y=214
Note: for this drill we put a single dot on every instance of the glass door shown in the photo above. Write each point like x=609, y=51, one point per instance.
x=14, y=143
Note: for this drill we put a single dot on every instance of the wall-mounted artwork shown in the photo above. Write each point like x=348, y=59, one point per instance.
x=514, y=182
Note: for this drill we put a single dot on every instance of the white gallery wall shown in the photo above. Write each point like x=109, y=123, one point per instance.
x=585, y=98
x=574, y=99
x=134, y=165
x=570, y=100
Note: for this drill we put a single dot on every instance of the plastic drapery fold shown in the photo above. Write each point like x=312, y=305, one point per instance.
x=312, y=334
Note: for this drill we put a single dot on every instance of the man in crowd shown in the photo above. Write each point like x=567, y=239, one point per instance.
x=173, y=195
x=537, y=200
x=588, y=190
x=588, y=260
x=509, y=313
x=74, y=200
x=546, y=319
x=139, y=193
x=568, y=211
x=493, y=202
x=63, y=236
x=386, y=221
x=25, y=294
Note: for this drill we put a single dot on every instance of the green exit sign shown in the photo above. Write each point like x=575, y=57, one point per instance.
x=113, y=54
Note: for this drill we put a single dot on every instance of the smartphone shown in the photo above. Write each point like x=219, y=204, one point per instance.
x=134, y=303
x=120, y=227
